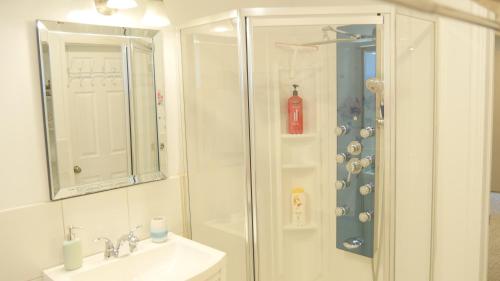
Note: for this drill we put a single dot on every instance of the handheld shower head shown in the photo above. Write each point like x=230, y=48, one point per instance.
x=374, y=85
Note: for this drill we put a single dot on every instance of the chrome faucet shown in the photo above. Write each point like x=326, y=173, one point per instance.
x=111, y=250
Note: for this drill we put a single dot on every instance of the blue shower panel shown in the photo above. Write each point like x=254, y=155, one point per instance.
x=356, y=107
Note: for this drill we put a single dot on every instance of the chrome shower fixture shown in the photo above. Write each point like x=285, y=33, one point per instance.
x=328, y=28
x=353, y=37
x=375, y=85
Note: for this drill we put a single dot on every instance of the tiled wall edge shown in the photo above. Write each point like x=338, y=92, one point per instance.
x=36, y=204
x=180, y=182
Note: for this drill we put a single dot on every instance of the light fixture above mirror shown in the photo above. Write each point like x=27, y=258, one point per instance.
x=121, y=4
x=102, y=7
x=156, y=14
x=109, y=7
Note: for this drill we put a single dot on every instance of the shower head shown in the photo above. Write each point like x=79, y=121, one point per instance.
x=330, y=28
x=340, y=40
x=327, y=28
x=352, y=37
x=296, y=47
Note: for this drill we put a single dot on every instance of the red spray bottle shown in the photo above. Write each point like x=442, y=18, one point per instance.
x=295, y=114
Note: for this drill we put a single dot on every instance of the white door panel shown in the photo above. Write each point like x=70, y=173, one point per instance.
x=98, y=110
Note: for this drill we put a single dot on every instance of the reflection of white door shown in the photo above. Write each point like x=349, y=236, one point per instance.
x=97, y=104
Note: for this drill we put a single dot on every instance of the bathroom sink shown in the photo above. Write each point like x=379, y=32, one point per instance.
x=175, y=260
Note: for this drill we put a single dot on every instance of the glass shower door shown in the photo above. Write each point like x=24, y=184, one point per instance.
x=314, y=131
x=216, y=157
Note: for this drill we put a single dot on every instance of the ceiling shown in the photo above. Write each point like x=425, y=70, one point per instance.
x=183, y=11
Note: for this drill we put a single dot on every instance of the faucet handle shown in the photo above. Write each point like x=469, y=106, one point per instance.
x=131, y=233
x=133, y=239
x=107, y=241
x=109, y=248
x=137, y=227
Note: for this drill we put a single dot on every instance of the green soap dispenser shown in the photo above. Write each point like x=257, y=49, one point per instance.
x=72, y=250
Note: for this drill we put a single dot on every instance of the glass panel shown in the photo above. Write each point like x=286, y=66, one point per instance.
x=146, y=162
x=99, y=106
x=214, y=139
x=307, y=80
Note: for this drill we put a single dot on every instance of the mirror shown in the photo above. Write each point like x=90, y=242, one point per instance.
x=102, y=107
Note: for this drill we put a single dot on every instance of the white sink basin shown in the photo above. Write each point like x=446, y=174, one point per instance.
x=178, y=259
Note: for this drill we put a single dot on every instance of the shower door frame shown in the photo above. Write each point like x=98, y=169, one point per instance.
x=239, y=19
x=385, y=66
x=337, y=15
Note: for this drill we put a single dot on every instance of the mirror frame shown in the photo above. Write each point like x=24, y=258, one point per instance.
x=56, y=192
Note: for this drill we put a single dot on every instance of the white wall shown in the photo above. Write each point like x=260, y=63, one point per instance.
x=32, y=226
x=214, y=142
x=182, y=11
x=415, y=93
x=463, y=147
x=461, y=142
x=495, y=176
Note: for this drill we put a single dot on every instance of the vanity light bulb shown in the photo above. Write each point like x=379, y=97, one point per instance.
x=121, y=4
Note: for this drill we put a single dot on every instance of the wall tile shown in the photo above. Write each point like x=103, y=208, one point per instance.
x=101, y=214
x=31, y=240
x=161, y=198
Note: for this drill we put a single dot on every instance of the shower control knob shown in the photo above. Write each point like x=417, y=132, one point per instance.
x=340, y=211
x=341, y=158
x=367, y=161
x=366, y=189
x=354, y=166
x=341, y=130
x=340, y=184
x=365, y=217
x=354, y=148
x=367, y=132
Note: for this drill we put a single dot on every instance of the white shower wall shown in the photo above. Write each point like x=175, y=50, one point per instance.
x=283, y=161
x=214, y=141
x=415, y=32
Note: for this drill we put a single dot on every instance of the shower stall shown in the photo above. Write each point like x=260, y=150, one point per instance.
x=287, y=141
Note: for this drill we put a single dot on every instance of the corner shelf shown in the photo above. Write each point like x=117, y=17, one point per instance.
x=298, y=136
x=309, y=226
